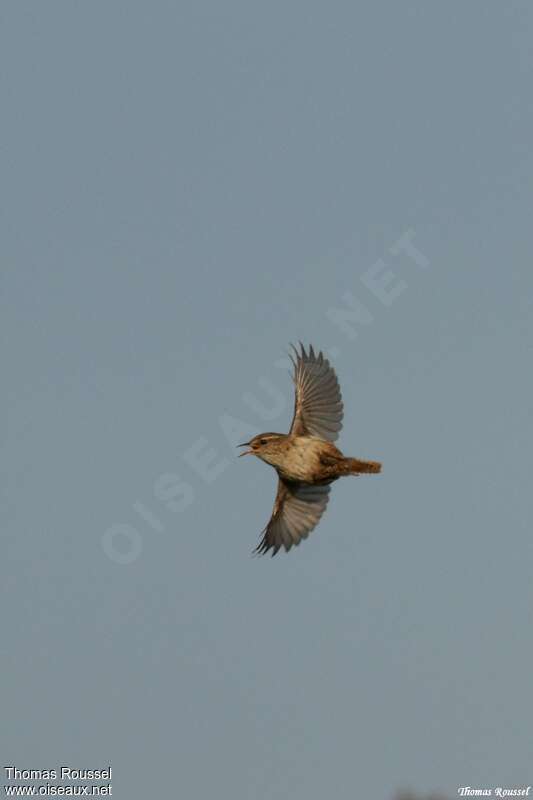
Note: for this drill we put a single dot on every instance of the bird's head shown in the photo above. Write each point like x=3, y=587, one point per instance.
x=265, y=446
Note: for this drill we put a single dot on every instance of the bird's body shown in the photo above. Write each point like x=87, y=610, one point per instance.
x=309, y=459
x=306, y=459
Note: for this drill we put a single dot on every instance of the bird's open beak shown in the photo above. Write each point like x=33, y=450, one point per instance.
x=246, y=452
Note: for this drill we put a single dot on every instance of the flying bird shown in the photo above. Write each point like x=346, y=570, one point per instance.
x=306, y=459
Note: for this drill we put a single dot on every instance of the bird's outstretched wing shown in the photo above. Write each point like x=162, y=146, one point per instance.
x=318, y=407
x=297, y=509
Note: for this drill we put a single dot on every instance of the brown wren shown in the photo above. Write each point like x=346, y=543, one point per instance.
x=306, y=459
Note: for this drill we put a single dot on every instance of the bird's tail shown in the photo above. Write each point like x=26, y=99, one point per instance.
x=354, y=466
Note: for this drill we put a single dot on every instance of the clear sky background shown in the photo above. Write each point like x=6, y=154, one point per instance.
x=187, y=188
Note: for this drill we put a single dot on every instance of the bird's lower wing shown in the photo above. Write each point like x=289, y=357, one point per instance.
x=297, y=510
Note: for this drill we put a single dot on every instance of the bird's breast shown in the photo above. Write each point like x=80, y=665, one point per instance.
x=301, y=460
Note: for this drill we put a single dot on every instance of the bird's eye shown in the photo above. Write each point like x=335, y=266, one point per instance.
x=263, y=441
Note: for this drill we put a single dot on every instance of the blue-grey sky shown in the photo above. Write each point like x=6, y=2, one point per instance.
x=187, y=188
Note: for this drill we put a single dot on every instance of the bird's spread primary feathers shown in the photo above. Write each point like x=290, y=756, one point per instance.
x=318, y=407
x=306, y=459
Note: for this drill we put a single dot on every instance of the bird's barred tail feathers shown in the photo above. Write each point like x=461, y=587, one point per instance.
x=355, y=466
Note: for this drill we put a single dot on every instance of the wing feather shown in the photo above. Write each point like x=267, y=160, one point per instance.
x=297, y=510
x=318, y=406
